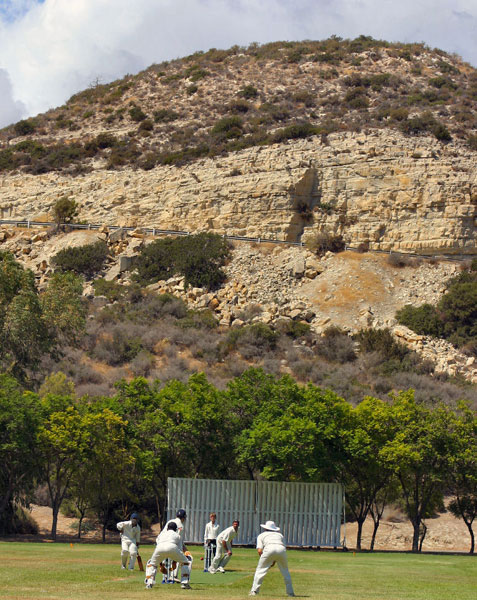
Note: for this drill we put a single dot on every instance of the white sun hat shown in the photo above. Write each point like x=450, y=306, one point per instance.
x=270, y=526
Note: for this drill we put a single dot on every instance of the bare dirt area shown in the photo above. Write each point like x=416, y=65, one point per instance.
x=67, y=530
x=357, y=290
x=445, y=532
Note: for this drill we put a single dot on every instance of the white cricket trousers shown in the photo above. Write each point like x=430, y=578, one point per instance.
x=163, y=551
x=128, y=547
x=279, y=555
x=221, y=558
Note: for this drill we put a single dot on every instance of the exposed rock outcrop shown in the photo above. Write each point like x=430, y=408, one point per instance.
x=380, y=188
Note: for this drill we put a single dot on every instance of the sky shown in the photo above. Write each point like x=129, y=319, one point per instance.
x=51, y=49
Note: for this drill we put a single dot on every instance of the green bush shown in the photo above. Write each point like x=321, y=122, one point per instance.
x=24, y=127
x=295, y=131
x=198, y=258
x=137, y=114
x=164, y=115
x=381, y=341
x=146, y=125
x=248, y=92
x=65, y=210
x=112, y=290
x=259, y=336
x=423, y=319
x=229, y=127
x=84, y=260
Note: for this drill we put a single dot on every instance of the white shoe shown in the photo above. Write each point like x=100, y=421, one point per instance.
x=185, y=586
x=148, y=586
x=252, y=593
x=221, y=569
x=130, y=568
x=123, y=567
x=213, y=571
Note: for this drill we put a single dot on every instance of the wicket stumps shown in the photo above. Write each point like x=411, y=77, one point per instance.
x=169, y=576
x=209, y=553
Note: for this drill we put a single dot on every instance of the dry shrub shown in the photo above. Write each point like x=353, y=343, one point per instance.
x=142, y=364
x=94, y=390
x=335, y=345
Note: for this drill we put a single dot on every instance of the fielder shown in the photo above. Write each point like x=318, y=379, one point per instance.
x=271, y=549
x=224, y=548
x=130, y=537
x=168, y=545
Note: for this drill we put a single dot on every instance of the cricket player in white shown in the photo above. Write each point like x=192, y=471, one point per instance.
x=224, y=548
x=211, y=530
x=271, y=549
x=168, y=545
x=130, y=538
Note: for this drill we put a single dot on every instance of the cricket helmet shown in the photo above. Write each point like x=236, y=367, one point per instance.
x=172, y=525
x=181, y=514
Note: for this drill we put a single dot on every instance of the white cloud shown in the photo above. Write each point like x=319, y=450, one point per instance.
x=10, y=110
x=55, y=48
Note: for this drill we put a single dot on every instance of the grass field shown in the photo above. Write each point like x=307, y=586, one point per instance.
x=92, y=571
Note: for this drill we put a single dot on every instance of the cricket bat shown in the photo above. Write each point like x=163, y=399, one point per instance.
x=139, y=562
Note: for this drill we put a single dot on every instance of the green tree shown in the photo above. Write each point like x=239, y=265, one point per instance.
x=62, y=441
x=419, y=455
x=294, y=433
x=19, y=422
x=104, y=475
x=63, y=308
x=181, y=430
x=65, y=210
x=463, y=469
x=364, y=470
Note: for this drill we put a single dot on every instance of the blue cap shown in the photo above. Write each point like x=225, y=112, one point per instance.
x=181, y=514
x=135, y=516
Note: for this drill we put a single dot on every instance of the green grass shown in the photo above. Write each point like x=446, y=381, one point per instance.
x=92, y=571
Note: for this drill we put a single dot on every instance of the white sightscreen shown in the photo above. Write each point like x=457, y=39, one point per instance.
x=309, y=514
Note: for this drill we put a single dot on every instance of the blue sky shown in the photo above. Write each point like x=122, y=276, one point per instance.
x=50, y=49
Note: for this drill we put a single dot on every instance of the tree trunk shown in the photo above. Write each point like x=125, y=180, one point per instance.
x=472, y=537
x=79, y=525
x=375, y=531
x=423, y=535
x=104, y=532
x=54, y=523
x=415, y=537
x=359, y=534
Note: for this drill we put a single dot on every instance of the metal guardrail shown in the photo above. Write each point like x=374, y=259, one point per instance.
x=147, y=230
x=155, y=231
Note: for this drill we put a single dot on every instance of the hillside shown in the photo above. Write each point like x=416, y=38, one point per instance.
x=335, y=143
x=368, y=142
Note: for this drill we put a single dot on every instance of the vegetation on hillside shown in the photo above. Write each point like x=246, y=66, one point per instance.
x=219, y=101
x=453, y=318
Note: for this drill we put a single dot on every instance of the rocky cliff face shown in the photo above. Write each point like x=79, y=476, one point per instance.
x=383, y=189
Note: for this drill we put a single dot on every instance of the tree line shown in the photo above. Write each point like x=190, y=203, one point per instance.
x=107, y=455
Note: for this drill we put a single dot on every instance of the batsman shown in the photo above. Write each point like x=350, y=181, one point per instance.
x=130, y=537
x=169, y=545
